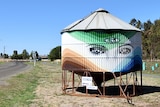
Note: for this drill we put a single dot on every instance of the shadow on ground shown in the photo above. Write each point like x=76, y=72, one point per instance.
x=115, y=90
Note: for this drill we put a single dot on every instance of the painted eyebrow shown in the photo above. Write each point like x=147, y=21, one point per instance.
x=126, y=45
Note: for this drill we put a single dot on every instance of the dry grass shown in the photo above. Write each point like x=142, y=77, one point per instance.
x=49, y=92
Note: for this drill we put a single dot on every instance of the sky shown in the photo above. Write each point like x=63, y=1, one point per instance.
x=35, y=25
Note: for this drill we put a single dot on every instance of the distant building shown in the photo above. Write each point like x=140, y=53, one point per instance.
x=43, y=58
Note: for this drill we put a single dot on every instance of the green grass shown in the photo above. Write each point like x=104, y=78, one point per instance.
x=1, y=62
x=20, y=90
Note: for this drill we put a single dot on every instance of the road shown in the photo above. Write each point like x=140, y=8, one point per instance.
x=9, y=69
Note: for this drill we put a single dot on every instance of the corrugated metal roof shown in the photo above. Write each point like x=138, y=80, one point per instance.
x=100, y=19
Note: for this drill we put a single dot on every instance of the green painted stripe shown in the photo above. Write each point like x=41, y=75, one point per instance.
x=109, y=40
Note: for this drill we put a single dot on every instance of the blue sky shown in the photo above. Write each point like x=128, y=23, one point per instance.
x=35, y=25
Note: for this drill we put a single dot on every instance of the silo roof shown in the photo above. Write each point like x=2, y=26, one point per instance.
x=100, y=19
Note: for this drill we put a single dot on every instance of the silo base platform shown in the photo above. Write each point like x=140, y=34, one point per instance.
x=102, y=84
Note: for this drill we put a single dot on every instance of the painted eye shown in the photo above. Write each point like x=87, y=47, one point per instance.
x=97, y=49
x=114, y=40
x=125, y=49
x=107, y=40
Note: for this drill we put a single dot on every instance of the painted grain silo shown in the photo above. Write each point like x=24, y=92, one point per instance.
x=101, y=44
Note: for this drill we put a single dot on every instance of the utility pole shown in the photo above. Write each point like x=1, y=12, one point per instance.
x=4, y=52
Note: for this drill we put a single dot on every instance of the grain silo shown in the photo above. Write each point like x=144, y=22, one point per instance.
x=101, y=46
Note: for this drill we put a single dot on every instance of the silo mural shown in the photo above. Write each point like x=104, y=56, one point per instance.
x=101, y=51
x=103, y=46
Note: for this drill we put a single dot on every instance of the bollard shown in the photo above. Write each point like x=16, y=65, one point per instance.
x=156, y=65
x=144, y=66
x=152, y=68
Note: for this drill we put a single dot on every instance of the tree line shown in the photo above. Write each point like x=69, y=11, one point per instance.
x=54, y=54
x=150, y=38
x=23, y=55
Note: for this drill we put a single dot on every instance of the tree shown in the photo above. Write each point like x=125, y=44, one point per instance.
x=55, y=53
x=25, y=54
x=147, y=25
x=15, y=55
x=147, y=36
x=6, y=56
x=151, y=40
x=36, y=54
x=136, y=23
x=156, y=39
x=1, y=55
x=133, y=22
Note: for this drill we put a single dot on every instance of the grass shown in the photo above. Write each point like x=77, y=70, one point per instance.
x=20, y=90
x=41, y=87
x=1, y=62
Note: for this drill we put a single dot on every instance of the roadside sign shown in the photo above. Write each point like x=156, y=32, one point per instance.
x=92, y=87
x=86, y=81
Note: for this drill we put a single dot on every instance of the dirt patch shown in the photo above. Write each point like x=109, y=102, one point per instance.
x=49, y=93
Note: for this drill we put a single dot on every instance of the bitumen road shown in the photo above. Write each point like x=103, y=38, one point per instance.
x=9, y=69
